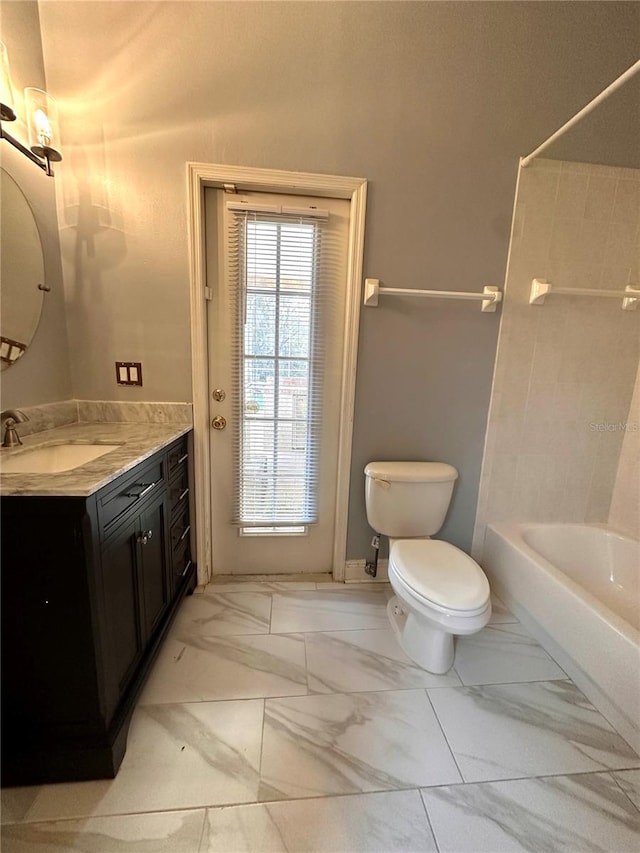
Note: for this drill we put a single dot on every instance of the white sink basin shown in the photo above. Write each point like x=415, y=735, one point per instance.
x=53, y=458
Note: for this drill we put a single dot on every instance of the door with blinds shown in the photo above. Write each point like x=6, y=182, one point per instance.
x=276, y=267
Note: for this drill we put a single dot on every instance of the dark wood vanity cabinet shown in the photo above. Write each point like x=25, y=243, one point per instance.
x=136, y=586
x=89, y=588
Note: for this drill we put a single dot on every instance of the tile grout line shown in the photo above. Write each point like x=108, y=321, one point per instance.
x=306, y=663
x=426, y=811
x=243, y=803
x=446, y=739
x=612, y=773
x=202, y=831
x=223, y=806
x=264, y=714
x=83, y=817
x=324, y=693
x=324, y=631
x=545, y=678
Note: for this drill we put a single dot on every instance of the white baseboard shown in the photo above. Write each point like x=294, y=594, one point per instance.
x=354, y=572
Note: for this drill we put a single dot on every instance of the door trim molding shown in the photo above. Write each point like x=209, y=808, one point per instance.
x=199, y=177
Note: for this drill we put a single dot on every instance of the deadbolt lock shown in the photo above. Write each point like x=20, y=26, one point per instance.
x=218, y=395
x=219, y=422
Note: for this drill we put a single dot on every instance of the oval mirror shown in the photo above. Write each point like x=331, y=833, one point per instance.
x=21, y=272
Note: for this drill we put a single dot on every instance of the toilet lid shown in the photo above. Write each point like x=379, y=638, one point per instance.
x=441, y=573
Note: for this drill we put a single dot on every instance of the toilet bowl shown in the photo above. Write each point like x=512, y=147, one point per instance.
x=439, y=592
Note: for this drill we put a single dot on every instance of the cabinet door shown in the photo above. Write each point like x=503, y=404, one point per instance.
x=153, y=564
x=122, y=608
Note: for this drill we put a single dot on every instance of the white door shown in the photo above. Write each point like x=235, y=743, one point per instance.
x=276, y=266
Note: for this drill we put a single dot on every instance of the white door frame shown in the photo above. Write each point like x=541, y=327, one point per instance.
x=200, y=176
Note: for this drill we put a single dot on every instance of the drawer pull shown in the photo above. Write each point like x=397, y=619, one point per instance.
x=186, y=568
x=146, y=488
x=184, y=494
x=182, y=459
x=186, y=531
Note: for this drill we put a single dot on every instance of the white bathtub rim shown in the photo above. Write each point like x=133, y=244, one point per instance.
x=513, y=533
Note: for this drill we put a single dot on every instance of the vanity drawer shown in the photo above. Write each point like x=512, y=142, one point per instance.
x=180, y=529
x=181, y=560
x=129, y=493
x=177, y=456
x=178, y=488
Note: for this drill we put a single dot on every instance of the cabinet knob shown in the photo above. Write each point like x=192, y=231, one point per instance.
x=144, y=537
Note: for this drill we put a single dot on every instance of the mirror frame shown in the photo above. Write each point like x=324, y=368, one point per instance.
x=22, y=255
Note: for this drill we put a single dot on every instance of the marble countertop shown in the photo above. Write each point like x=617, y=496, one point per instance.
x=137, y=442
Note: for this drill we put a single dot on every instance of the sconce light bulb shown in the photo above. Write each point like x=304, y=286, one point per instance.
x=43, y=126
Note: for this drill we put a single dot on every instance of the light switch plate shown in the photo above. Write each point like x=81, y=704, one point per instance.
x=129, y=372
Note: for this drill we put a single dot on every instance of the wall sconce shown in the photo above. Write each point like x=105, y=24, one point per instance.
x=7, y=112
x=42, y=119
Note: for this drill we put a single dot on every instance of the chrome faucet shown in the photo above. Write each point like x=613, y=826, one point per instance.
x=12, y=417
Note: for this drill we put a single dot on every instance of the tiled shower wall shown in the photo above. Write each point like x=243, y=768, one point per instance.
x=565, y=370
x=625, y=503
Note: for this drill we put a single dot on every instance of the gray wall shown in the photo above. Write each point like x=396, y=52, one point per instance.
x=432, y=102
x=42, y=375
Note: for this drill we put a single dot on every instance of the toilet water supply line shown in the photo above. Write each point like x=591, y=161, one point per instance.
x=371, y=566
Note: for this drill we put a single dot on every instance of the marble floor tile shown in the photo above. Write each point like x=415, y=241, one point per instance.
x=390, y=822
x=561, y=813
x=342, y=744
x=351, y=661
x=191, y=668
x=332, y=610
x=368, y=733
x=629, y=781
x=167, y=832
x=508, y=731
x=223, y=613
x=178, y=757
x=16, y=802
x=500, y=612
x=502, y=653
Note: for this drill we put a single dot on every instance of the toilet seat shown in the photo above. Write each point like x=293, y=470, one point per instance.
x=440, y=575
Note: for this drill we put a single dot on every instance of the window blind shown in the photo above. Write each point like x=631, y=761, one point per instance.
x=283, y=275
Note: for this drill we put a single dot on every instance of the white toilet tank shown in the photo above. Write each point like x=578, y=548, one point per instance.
x=406, y=499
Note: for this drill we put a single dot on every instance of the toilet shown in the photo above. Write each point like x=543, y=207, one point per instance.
x=440, y=592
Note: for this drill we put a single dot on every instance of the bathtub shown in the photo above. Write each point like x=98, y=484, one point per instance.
x=575, y=587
